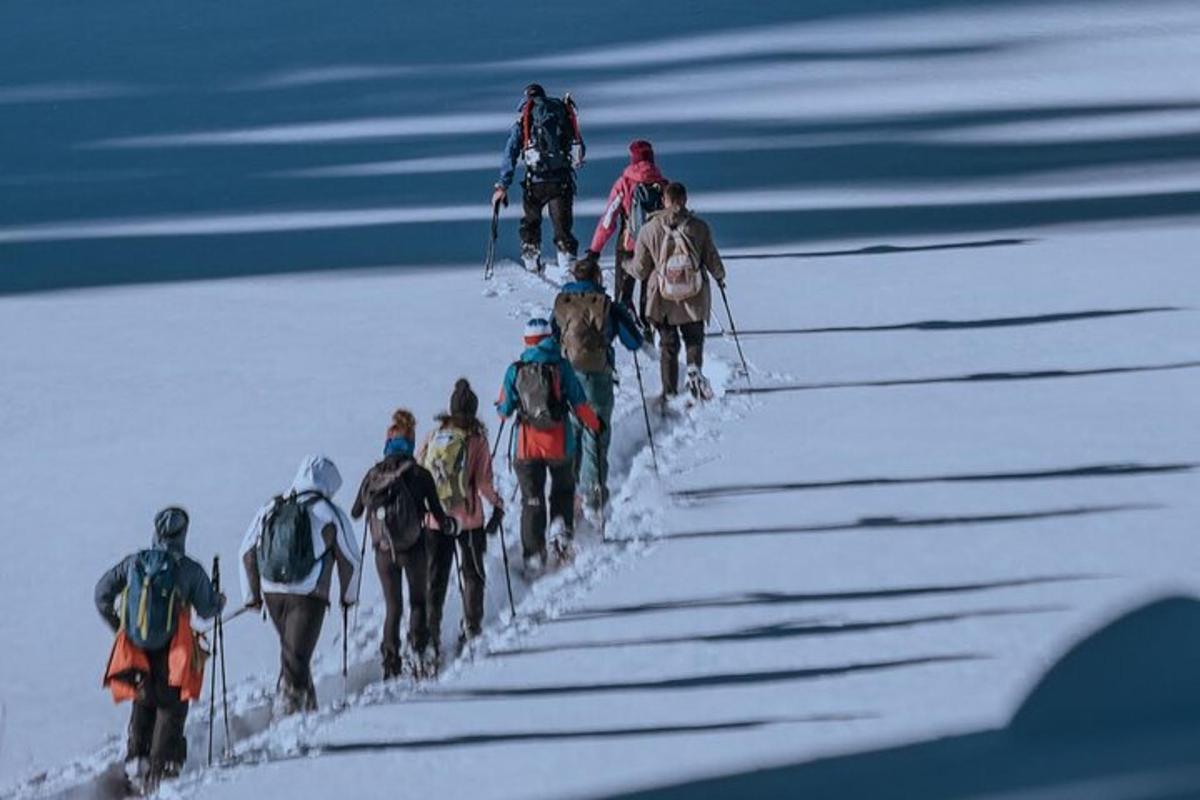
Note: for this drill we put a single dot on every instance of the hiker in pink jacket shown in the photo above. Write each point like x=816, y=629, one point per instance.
x=627, y=208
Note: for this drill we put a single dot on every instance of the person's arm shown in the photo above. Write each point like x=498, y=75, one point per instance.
x=641, y=266
x=251, y=580
x=108, y=588
x=198, y=590
x=512, y=151
x=359, y=506
x=625, y=327
x=481, y=472
x=610, y=219
x=507, y=403
x=711, y=259
x=339, y=540
x=427, y=495
x=577, y=397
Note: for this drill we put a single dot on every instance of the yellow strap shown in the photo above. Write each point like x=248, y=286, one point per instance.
x=170, y=609
x=124, y=598
x=143, y=622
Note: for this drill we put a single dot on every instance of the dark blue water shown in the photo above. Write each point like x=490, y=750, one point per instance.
x=179, y=67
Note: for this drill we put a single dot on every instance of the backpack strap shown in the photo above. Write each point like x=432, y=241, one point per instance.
x=526, y=123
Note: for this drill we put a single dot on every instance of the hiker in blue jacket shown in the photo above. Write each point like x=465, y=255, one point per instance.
x=586, y=323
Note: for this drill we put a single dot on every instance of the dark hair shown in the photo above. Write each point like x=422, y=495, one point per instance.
x=676, y=193
x=464, y=406
x=472, y=425
x=535, y=90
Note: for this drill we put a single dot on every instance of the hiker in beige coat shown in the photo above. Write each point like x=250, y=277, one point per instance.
x=657, y=262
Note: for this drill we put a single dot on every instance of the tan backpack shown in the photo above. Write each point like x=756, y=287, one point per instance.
x=582, y=320
x=679, y=274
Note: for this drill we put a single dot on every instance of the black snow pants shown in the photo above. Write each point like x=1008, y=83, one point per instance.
x=394, y=568
x=531, y=476
x=558, y=197
x=158, y=716
x=471, y=547
x=693, y=339
x=298, y=619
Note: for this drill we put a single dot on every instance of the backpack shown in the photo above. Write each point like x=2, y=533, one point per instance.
x=583, y=319
x=548, y=128
x=149, y=606
x=446, y=459
x=540, y=391
x=679, y=275
x=285, y=548
x=647, y=198
x=391, y=510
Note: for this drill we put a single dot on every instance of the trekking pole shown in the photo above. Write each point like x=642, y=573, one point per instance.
x=499, y=436
x=512, y=606
x=345, y=642
x=489, y=264
x=362, y=557
x=637, y=365
x=736, y=339
x=212, y=686
x=224, y=686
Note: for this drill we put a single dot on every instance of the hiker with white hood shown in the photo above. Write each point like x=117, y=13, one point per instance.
x=288, y=558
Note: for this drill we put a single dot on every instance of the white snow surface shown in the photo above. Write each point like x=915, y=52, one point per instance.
x=984, y=452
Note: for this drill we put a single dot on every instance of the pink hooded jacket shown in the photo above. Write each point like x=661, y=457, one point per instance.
x=641, y=169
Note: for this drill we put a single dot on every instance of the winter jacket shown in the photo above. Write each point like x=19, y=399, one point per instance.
x=620, y=324
x=421, y=488
x=645, y=262
x=333, y=537
x=191, y=581
x=620, y=204
x=513, y=148
x=551, y=444
x=479, y=481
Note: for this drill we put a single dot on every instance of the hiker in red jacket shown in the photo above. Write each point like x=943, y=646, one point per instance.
x=633, y=197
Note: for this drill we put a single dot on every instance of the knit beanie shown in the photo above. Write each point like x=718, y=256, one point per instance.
x=463, y=400
x=640, y=150
x=536, y=330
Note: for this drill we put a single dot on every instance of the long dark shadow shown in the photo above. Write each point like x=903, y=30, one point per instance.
x=1090, y=471
x=963, y=324
x=870, y=523
x=517, y=737
x=881, y=249
x=797, y=598
x=695, y=681
x=978, y=377
x=784, y=630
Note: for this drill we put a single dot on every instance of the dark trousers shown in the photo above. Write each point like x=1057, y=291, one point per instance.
x=471, y=547
x=531, y=476
x=156, y=723
x=298, y=619
x=623, y=286
x=559, y=198
x=693, y=339
x=394, y=568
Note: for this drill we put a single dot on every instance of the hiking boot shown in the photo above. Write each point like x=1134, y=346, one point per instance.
x=426, y=663
x=531, y=258
x=534, y=565
x=565, y=261
x=137, y=770
x=697, y=385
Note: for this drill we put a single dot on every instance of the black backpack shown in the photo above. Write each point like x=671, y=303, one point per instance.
x=548, y=130
x=285, y=548
x=647, y=198
x=539, y=390
x=391, y=510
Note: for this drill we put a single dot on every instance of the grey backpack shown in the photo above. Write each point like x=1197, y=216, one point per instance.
x=539, y=389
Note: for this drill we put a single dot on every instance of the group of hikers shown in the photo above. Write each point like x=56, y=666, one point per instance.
x=424, y=506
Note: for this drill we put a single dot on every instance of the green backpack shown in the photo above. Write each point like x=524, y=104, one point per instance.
x=446, y=459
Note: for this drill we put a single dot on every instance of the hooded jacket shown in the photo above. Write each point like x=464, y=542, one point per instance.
x=553, y=444
x=645, y=263
x=479, y=482
x=333, y=536
x=191, y=581
x=619, y=325
x=620, y=203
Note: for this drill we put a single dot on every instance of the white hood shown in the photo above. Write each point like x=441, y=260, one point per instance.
x=317, y=474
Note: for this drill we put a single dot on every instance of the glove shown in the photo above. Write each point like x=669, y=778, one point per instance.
x=450, y=527
x=600, y=428
x=500, y=197
x=721, y=283
x=254, y=603
x=493, y=523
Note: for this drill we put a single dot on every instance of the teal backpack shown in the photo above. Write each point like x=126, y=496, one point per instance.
x=285, y=548
x=150, y=606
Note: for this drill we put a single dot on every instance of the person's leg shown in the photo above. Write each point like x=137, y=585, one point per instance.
x=391, y=582
x=303, y=632
x=561, y=201
x=168, y=745
x=593, y=449
x=531, y=477
x=416, y=569
x=141, y=726
x=623, y=282
x=532, y=202
x=669, y=358
x=693, y=339
x=562, y=494
x=441, y=558
x=279, y=609
x=472, y=547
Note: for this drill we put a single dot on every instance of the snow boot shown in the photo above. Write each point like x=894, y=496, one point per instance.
x=698, y=385
x=426, y=664
x=531, y=258
x=562, y=542
x=137, y=770
x=534, y=566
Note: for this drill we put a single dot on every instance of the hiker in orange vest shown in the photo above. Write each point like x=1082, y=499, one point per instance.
x=147, y=599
